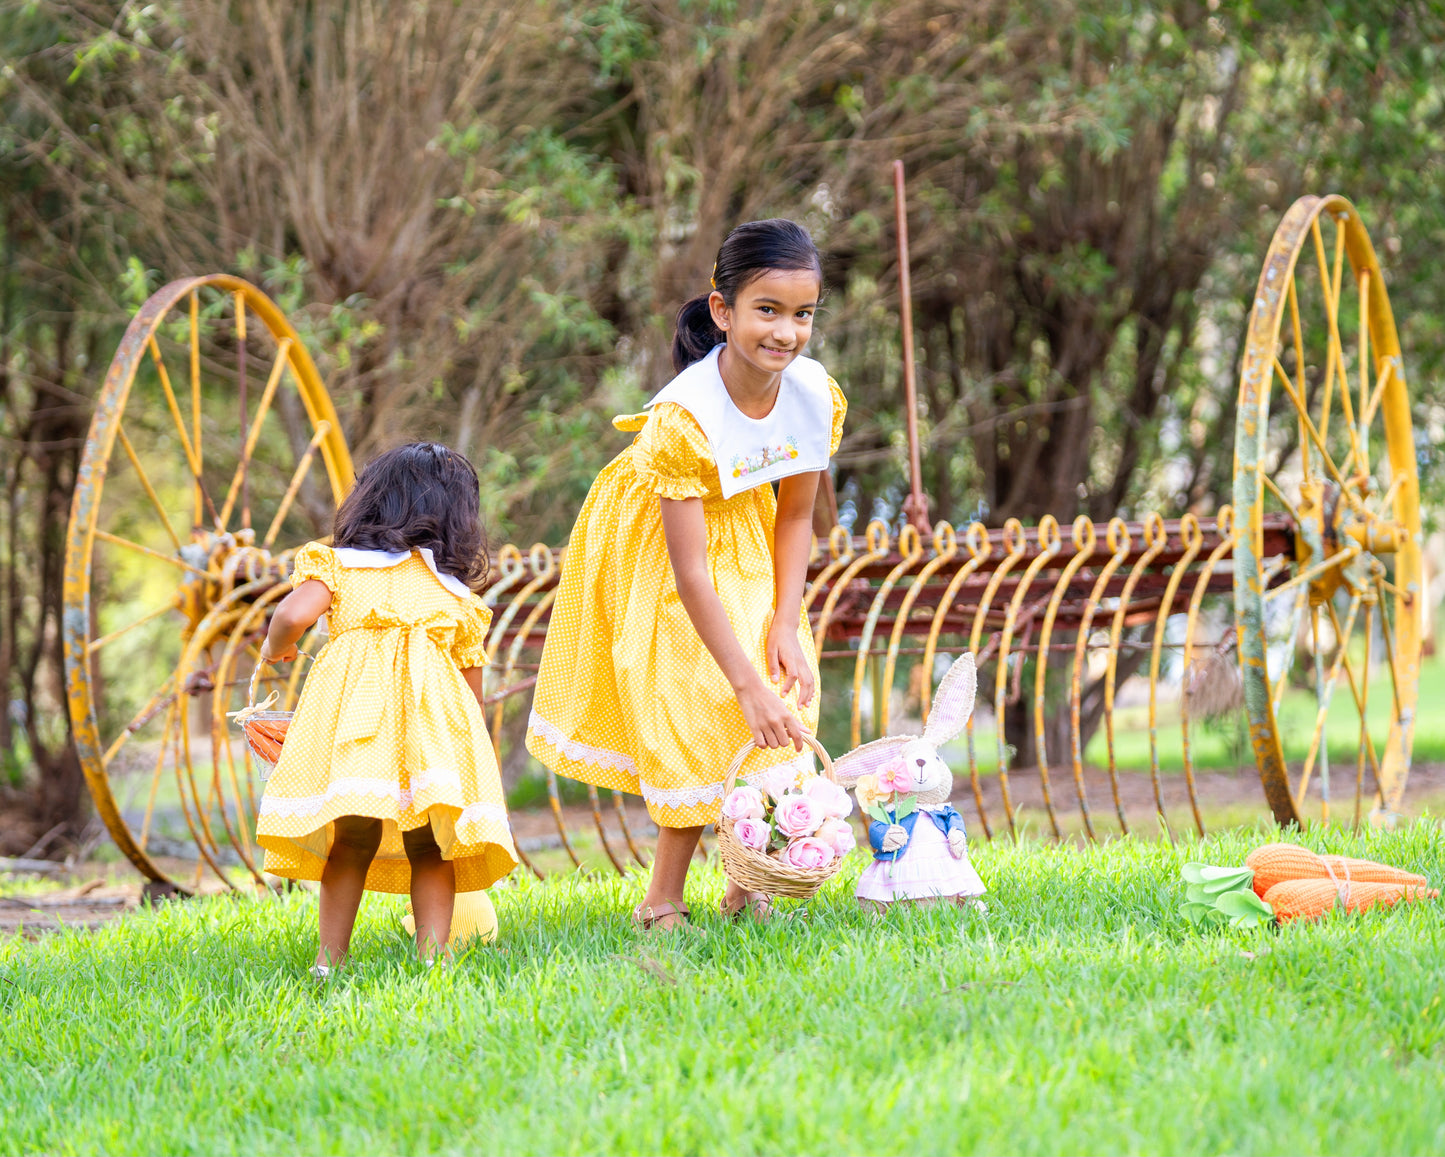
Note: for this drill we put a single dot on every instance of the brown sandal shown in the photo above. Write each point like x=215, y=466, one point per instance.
x=758, y=905
x=647, y=916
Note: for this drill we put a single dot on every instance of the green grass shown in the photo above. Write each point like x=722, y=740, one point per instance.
x=1081, y=1014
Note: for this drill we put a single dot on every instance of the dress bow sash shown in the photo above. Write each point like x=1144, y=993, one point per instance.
x=412, y=642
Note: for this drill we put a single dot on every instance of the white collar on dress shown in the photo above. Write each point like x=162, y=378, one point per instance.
x=355, y=559
x=794, y=438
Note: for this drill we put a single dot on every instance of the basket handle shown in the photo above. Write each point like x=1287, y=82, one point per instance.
x=256, y=674
x=252, y=707
x=731, y=775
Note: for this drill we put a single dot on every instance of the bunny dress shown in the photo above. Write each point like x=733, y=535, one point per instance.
x=924, y=868
x=628, y=697
x=386, y=726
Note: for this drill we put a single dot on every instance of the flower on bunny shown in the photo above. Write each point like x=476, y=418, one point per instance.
x=896, y=775
x=870, y=792
x=838, y=835
x=808, y=853
x=752, y=833
x=797, y=815
x=744, y=803
x=834, y=801
x=905, y=781
x=777, y=780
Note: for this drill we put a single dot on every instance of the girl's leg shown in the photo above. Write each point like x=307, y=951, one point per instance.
x=670, y=862
x=433, y=891
x=342, y=882
x=669, y=870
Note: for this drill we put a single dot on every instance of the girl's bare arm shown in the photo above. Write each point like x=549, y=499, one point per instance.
x=685, y=529
x=792, y=543
x=474, y=677
x=293, y=617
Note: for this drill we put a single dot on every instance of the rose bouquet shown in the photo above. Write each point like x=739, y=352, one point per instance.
x=888, y=796
x=785, y=836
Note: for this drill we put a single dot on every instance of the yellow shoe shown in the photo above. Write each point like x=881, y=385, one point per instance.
x=473, y=917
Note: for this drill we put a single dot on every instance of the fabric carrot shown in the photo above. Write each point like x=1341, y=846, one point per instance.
x=1275, y=863
x=1311, y=899
x=1367, y=871
x=266, y=737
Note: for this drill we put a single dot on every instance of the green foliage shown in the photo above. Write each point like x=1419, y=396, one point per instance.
x=1082, y=1013
x=490, y=249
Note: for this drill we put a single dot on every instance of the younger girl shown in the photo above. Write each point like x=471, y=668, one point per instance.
x=387, y=779
x=678, y=632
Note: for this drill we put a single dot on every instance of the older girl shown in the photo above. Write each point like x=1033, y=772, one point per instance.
x=678, y=631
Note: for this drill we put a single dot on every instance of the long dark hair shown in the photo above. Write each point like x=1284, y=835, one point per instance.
x=420, y=495
x=749, y=251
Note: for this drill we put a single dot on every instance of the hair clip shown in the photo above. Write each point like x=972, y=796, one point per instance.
x=713, y=279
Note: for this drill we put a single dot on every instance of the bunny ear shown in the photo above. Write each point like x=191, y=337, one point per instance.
x=868, y=759
x=953, y=702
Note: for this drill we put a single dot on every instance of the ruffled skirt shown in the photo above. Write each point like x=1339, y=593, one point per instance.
x=925, y=870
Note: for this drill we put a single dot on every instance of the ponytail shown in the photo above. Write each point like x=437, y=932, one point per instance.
x=750, y=250
x=696, y=334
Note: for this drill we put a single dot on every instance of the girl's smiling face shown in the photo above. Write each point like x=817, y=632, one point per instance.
x=771, y=320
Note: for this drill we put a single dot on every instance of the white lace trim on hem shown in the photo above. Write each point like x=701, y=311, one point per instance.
x=681, y=797
x=597, y=756
x=310, y=805
x=676, y=798
x=476, y=812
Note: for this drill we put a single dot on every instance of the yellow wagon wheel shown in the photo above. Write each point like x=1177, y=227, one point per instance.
x=1324, y=435
x=195, y=485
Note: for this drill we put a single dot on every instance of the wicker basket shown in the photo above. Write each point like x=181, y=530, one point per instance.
x=264, y=727
x=757, y=871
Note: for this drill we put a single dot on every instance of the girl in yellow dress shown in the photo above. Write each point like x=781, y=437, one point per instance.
x=678, y=631
x=387, y=780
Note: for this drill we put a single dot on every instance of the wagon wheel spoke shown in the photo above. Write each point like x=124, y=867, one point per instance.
x=239, y=478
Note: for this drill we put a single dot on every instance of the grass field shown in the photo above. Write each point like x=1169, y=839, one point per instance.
x=1082, y=1013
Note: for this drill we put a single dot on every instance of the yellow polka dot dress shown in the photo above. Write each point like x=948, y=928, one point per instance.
x=628, y=697
x=387, y=727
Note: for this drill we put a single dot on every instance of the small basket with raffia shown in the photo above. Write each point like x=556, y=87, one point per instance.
x=764, y=869
x=263, y=726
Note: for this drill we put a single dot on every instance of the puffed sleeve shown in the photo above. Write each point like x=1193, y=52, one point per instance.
x=314, y=561
x=469, y=646
x=671, y=454
x=840, y=411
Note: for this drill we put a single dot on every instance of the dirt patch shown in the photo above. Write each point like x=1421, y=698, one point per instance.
x=87, y=905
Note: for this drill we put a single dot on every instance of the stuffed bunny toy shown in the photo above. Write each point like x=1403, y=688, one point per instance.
x=924, y=856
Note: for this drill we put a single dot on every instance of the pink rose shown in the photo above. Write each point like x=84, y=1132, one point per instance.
x=743, y=803
x=777, y=779
x=838, y=835
x=807, y=853
x=832, y=799
x=797, y=815
x=751, y=833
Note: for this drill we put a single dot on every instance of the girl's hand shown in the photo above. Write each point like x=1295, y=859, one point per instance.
x=283, y=655
x=786, y=661
x=768, y=717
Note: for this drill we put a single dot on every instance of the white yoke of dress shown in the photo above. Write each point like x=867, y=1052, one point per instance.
x=792, y=439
